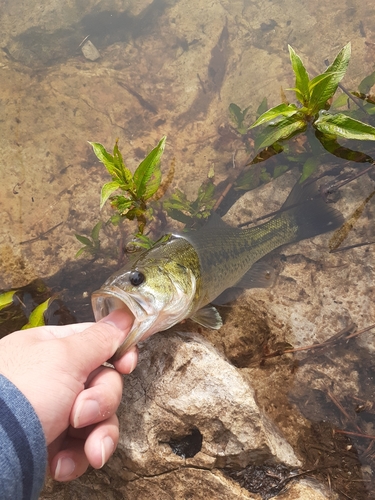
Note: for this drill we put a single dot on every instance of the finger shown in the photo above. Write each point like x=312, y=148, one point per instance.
x=99, y=400
x=82, y=433
x=102, y=442
x=128, y=361
x=71, y=462
x=98, y=343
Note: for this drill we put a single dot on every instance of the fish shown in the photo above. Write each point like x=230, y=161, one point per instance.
x=183, y=274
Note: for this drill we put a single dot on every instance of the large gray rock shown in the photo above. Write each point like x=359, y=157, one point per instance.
x=182, y=383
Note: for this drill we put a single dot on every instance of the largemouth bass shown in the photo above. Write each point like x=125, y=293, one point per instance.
x=183, y=273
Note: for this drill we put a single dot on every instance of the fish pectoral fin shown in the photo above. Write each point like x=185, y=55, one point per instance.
x=229, y=295
x=260, y=275
x=208, y=317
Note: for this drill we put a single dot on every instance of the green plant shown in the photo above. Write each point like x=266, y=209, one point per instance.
x=142, y=190
x=286, y=120
x=363, y=93
x=6, y=299
x=91, y=244
x=139, y=188
x=178, y=207
x=238, y=117
x=36, y=317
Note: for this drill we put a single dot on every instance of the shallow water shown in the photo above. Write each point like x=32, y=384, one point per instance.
x=173, y=68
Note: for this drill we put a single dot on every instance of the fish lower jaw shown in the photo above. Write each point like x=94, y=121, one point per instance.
x=144, y=329
x=104, y=301
x=140, y=331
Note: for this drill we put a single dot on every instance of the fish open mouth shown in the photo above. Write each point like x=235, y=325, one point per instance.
x=111, y=298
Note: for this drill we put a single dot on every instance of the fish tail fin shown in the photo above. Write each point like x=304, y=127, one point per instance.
x=310, y=214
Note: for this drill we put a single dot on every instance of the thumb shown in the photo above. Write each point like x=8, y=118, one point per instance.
x=98, y=343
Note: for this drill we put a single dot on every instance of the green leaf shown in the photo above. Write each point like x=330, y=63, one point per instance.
x=96, y=230
x=105, y=157
x=343, y=126
x=121, y=203
x=331, y=145
x=341, y=61
x=309, y=168
x=107, y=190
x=36, y=317
x=271, y=114
x=147, y=177
x=143, y=241
x=206, y=193
x=302, y=77
x=340, y=101
x=264, y=175
x=117, y=156
x=250, y=179
x=236, y=114
x=179, y=216
x=115, y=219
x=81, y=251
x=322, y=89
x=114, y=165
x=262, y=107
x=84, y=240
x=245, y=111
x=279, y=170
x=285, y=129
x=366, y=84
x=6, y=299
x=319, y=79
x=124, y=173
x=177, y=201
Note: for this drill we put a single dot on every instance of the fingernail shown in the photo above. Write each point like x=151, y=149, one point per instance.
x=86, y=414
x=133, y=361
x=64, y=468
x=108, y=447
x=120, y=318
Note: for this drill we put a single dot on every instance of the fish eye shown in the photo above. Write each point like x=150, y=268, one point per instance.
x=136, y=278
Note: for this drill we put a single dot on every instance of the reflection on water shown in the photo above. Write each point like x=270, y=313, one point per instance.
x=173, y=68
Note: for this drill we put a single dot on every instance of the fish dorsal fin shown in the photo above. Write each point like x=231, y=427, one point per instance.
x=208, y=317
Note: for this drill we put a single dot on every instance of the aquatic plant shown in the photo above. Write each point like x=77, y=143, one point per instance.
x=36, y=317
x=314, y=121
x=138, y=188
x=17, y=306
x=286, y=120
x=91, y=244
x=142, y=190
x=178, y=206
x=363, y=93
x=6, y=298
x=238, y=117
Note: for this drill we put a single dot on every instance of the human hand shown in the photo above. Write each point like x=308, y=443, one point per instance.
x=58, y=369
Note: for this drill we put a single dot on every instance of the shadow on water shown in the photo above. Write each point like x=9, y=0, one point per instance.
x=71, y=286
x=35, y=46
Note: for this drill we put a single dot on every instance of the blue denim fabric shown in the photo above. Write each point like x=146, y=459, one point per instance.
x=23, y=450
